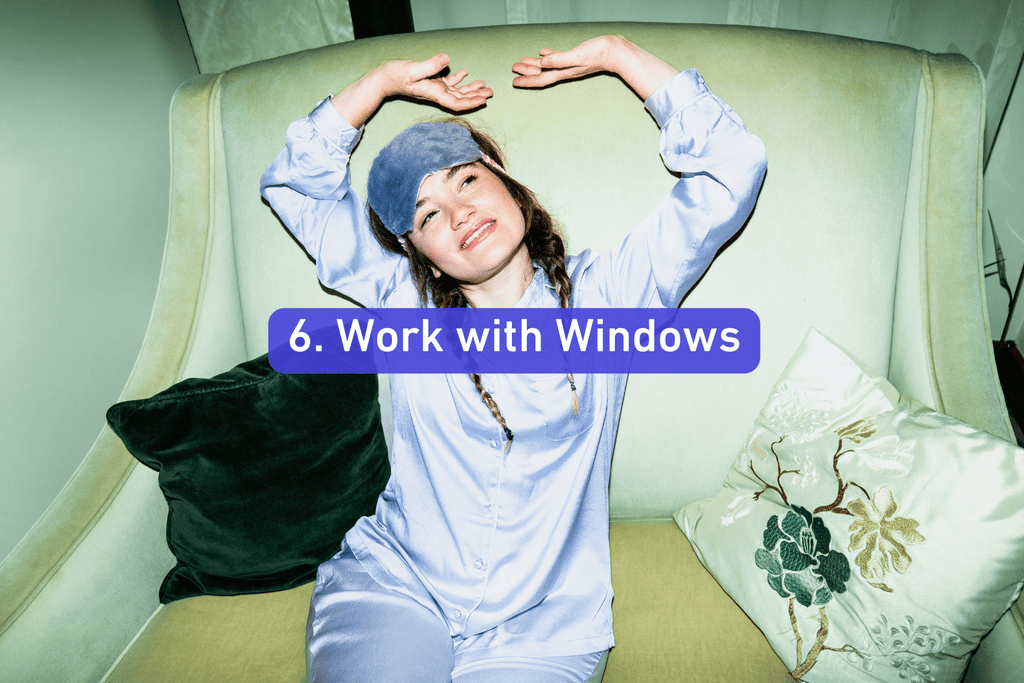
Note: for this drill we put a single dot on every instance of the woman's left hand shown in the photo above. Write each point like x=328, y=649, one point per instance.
x=589, y=57
x=641, y=70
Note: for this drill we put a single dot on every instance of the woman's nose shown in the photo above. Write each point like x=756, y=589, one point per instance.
x=463, y=212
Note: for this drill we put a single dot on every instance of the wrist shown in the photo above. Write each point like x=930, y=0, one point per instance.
x=642, y=71
x=378, y=83
x=360, y=99
x=618, y=55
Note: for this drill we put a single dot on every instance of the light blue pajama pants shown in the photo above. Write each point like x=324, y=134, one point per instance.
x=361, y=632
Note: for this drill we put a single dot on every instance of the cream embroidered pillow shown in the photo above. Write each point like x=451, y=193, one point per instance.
x=869, y=537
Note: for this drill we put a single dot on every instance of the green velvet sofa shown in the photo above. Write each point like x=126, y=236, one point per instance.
x=867, y=228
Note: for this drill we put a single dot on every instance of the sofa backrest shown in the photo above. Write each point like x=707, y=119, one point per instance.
x=872, y=184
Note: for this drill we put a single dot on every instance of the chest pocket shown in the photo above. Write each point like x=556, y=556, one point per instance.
x=538, y=404
x=560, y=420
x=476, y=419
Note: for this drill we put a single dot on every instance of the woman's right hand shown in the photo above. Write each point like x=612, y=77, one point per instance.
x=416, y=80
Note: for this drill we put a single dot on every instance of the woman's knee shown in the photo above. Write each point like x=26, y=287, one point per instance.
x=361, y=632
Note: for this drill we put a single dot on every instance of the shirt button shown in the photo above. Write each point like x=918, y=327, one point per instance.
x=479, y=564
x=494, y=444
x=457, y=614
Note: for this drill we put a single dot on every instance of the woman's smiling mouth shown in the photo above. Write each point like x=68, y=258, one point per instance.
x=480, y=233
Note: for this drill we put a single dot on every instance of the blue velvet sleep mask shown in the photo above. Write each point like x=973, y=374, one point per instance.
x=417, y=152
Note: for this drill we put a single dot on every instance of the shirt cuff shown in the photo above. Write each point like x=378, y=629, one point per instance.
x=674, y=94
x=333, y=127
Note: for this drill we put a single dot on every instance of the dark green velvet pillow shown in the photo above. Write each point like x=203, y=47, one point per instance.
x=263, y=473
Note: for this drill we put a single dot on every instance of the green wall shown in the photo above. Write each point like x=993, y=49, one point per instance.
x=84, y=176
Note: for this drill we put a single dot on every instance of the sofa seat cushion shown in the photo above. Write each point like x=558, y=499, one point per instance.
x=222, y=639
x=673, y=622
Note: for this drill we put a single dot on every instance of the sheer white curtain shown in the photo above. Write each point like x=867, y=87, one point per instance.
x=229, y=33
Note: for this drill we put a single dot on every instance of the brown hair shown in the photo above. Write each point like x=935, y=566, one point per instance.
x=544, y=244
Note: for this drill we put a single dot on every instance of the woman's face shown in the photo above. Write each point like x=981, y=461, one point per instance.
x=467, y=224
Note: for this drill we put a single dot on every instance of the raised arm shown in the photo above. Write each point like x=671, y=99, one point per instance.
x=642, y=71
x=720, y=162
x=308, y=184
x=416, y=80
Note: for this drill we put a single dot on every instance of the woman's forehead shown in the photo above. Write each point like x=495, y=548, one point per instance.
x=439, y=178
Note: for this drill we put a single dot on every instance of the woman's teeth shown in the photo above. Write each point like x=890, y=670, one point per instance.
x=474, y=234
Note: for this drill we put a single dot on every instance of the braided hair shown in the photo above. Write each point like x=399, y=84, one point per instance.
x=544, y=244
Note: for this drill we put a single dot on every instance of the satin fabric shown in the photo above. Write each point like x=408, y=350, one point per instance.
x=512, y=549
x=361, y=632
x=931, y=523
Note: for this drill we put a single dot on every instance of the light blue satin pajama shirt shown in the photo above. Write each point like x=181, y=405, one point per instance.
x=511, y=551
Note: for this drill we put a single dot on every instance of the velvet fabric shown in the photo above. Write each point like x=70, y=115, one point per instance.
x=263, y=472
x=400, y=167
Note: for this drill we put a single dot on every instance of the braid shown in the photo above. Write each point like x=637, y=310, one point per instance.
x=548, y=248
x=544, y=244
x=491, y=404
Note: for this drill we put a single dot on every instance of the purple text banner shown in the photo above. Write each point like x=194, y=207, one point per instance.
x=514, y=340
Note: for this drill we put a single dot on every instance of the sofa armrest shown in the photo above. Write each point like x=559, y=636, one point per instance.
x=82, y=582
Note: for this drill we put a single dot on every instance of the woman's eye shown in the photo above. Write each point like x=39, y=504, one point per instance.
x=467, y=180
x=426, y=218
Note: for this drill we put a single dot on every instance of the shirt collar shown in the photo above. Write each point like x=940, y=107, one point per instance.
x=540, y=293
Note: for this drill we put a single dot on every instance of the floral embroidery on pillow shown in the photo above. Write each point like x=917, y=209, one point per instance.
x=904, y=648
x=886, y=455
x=801, y=414
x=803, y=567
x=798, y=559
x=881, y=537
x=741, y=506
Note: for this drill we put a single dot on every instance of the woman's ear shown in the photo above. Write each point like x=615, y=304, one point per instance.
x=435, y=271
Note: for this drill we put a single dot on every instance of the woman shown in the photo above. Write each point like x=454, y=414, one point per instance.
x=488, y=561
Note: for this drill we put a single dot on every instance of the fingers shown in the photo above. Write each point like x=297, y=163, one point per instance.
x=548, y=77
x=558, y=60
x=475, y=89
x=453, y=79
x=457, y=101
x=590, y=56
x=480, y=92
x=464, y=104
x=476, y=86
x=421, y=80
x=551, y=59
x=429, y=67
x=452, y=97
x=527, y=66
x=551, y=66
